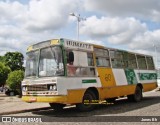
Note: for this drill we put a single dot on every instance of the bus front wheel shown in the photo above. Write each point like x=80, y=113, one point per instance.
x=57, y=106
x=87, y=102
x=137, y=96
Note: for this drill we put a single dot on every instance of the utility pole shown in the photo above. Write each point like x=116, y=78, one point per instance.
x=79, y=19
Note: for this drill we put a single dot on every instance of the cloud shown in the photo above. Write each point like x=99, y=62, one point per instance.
x=115, y=30
x=131, y=31
x=146, y=40
x=49, y=14
x=37, y=20
x=11, y=12
x=95, y=42
x=148, y=9
x=128, y=31
x=100, y=27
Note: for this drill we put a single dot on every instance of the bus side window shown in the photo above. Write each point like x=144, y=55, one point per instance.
x=141, y=62
x=97, y=61
x=117, y=58
x=90, y=59
x=70, y=58
x=102, y=57
x=71, y=69
x=129, y=60
x=150, y=63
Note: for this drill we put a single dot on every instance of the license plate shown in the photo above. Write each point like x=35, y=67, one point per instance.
x=33, y=99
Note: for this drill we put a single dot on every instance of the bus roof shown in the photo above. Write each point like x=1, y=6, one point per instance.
x=73, y=44
x=67, y=43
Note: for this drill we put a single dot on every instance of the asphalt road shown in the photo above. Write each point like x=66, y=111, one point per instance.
x=121, y=112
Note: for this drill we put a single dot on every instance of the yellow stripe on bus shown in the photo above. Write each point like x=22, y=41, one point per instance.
x=50, y=99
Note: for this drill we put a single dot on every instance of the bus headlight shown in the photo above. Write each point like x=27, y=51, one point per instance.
x=24, y=88
x=53, y=87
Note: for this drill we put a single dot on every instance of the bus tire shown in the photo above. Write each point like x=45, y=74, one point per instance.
x=89, y=96
x=137, y=96
x=57, y=106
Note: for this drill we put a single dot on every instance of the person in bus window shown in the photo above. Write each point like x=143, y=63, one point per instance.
x=71, y=69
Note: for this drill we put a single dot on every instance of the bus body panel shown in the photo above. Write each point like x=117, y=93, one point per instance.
x=75, y=96
x=149, y=86
x=112, y=92
x=120, y=77
x=48, y=99
x=106, y=76
x=75, y=83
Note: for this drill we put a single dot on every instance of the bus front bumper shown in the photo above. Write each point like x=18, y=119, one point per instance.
x=48, y=99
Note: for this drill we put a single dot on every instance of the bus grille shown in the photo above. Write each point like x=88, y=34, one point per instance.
x=37, y=88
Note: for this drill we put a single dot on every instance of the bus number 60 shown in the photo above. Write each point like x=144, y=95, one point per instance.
x=108, y=77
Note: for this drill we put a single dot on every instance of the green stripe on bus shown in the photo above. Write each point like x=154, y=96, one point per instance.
x=147, y=76
x=131, y=76
x=89, y=81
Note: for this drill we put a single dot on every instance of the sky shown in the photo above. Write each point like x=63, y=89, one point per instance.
x=132, y=25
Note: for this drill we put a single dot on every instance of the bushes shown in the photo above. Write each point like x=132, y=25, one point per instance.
x=14, y=80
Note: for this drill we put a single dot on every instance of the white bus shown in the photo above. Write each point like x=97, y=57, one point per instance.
x=63, y=71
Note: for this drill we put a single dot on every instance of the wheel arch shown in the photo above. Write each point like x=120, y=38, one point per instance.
x=94, y=90
x=140, y=85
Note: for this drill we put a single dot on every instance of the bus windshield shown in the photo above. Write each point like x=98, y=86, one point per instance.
x=31, y=63
x=44, y=63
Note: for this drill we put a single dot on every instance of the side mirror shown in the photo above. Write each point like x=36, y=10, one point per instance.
x=71, y=57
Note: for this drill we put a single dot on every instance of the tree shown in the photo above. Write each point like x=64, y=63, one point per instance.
x=1, y=58
x=4, y=71
x=14, y=79
x=14, y=60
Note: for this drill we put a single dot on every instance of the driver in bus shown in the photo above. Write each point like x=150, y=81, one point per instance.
x=71, y=69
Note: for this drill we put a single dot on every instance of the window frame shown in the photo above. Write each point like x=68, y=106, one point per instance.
x=141, y=62
x=103, y=56
x=115, y=58
x=90, y=70
x=150, y=66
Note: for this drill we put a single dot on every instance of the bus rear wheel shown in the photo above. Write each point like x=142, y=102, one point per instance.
x=87, y=102
x=137, y=96
x=57, y=106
